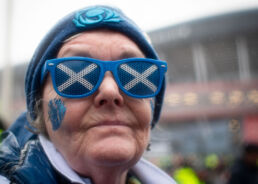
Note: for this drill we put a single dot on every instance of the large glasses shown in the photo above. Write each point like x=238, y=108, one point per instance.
x=78, y=77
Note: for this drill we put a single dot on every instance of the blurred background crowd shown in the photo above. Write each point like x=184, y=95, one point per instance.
x=208, y=132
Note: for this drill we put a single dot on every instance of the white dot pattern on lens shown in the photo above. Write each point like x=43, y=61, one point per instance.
x=76, y=77
x=140, y=77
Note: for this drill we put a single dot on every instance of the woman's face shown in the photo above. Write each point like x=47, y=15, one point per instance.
x=108, y=128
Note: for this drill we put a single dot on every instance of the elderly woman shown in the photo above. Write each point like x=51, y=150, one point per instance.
x=94, y=90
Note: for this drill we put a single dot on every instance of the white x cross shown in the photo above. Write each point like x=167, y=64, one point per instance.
x=140, y=77
x=76, y=77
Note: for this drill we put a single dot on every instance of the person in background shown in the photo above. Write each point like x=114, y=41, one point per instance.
x=245, y=168
x=94, y=90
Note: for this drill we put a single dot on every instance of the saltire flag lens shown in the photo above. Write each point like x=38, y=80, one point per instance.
x=78, y=77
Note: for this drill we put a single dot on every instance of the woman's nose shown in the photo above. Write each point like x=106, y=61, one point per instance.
x=108, y=92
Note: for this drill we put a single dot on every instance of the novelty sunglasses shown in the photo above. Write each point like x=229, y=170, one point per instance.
x=78, y=77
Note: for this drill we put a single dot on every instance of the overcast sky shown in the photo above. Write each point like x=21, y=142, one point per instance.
x=31, y=19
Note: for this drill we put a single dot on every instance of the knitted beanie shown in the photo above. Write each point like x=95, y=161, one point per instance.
x=89, y=18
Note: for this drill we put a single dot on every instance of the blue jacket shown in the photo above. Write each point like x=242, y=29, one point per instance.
x=28, y=164
x=22, y=159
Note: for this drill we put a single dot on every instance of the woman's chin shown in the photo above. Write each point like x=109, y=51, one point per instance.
x=114, y=151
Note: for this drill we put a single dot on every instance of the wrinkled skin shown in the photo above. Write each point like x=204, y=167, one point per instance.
x=103, y=135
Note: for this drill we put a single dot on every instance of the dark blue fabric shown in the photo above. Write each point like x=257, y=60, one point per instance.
x=20, y=129
x=22, y=159
x=28, y=164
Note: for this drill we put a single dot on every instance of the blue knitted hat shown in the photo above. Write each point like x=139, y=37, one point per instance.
x=90, y=18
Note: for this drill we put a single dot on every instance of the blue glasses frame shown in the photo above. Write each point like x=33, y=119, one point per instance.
x=113, y=66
